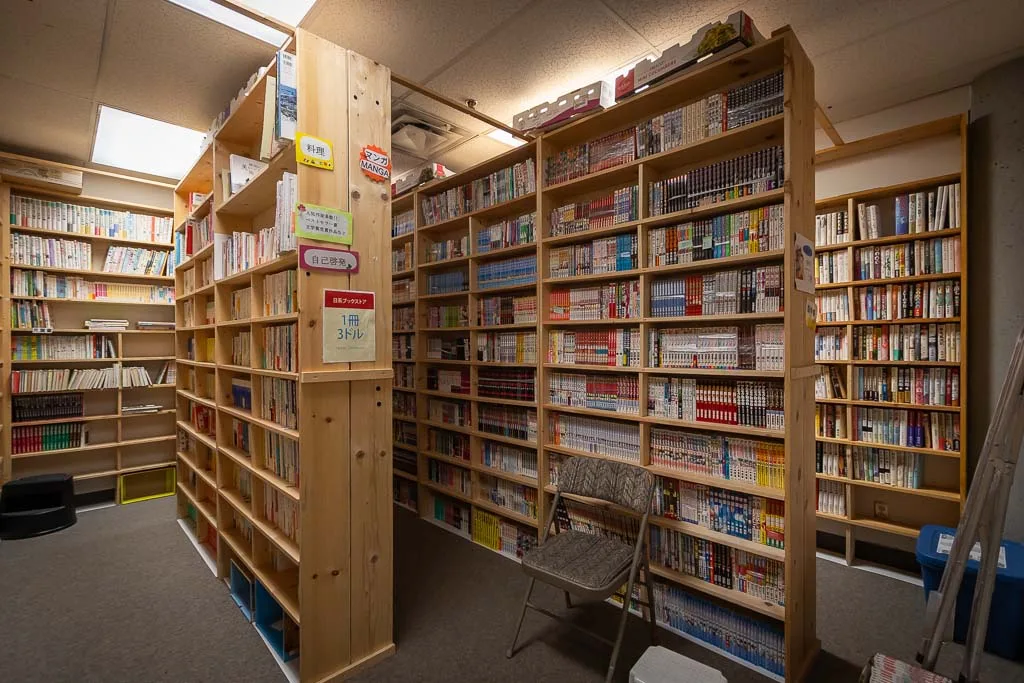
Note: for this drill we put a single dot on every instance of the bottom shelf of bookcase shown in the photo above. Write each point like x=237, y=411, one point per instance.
x=406, y=506
x=722, y=653
x=190, y=533
x=449, y=528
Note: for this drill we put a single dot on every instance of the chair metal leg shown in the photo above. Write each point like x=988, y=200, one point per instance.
x=651, y=613
x=622, y=625
x=568, y=600
x=522, y=615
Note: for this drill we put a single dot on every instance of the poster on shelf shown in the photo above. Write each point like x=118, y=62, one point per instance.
x=349, y=323
x=323, y=223
x=803, y=264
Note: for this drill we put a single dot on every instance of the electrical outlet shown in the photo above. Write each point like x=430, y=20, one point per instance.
x=881, y=510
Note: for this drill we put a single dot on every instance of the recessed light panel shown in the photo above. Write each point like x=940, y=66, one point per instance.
x=239, y=22
x=145, y=145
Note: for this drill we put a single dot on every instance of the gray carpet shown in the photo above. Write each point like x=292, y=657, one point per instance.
x=123, y=597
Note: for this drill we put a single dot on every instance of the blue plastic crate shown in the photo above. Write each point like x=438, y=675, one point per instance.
x=277, y=628
x=242, y=590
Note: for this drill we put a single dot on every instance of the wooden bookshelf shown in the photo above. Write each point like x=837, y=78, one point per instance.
x=116, y=441
x=438, y=466
x=870, y=501
x=250, y=480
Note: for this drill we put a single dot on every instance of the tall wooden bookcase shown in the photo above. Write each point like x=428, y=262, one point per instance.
x=117, y=442
x=459, y=492
x=323, y=599
x=876, y=496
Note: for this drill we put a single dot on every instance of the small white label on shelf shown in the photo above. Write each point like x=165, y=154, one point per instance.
x=945, y=544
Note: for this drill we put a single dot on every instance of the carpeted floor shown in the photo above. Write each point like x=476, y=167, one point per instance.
x=123, y=597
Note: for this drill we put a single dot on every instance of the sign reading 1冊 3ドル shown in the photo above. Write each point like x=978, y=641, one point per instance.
x=349, y=326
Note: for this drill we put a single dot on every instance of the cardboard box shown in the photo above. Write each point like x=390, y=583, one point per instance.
x=417, y=176
x=580, y=102
x=717, y=39
x=35, y=175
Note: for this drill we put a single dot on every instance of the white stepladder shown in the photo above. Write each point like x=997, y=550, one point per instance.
x=982, y=521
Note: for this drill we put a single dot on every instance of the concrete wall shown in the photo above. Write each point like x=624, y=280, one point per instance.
x=996, y=255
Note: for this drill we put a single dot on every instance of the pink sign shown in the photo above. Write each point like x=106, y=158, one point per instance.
x=328, y=259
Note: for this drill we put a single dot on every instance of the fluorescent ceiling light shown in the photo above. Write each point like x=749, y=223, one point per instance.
x=505, y=138
x=145, y=145
x=288, y=12
x=233, y=19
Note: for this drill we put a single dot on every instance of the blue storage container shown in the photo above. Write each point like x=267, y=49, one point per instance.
x=1005, y=635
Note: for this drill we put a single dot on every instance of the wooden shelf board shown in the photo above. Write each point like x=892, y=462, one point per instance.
x=724, y=539
x=444, y=295
x=446, y=426
x=260, y=193
x=401, y=474
x=905, y=363
x=565, y=450
x=716, y=263
x=399, y=274
x=729, y=484
x=504, y=401
x=199, y=291
x=404, y=418
x=889, y=447
x=162, y=246
x=603, y=322
x=259, y=421
x=583, y=367
x=504, y=439
x=200, y=255
x=60, y=391
x=608, y=178
x=729, y=595
x=399, y=239
x=84, y=330
x=244, y=322
x=595, y=277
x=523, y=203
x=715, y=372
x=95, y=447
x=407, y=390
x=111, y=302
x=502, y=252
x=443, y=329
x=449, y=262
x=445, y=361
x=500, y=289
x=450, y=459
x=97, y=273
x=890, y=280
x=283, y=262
x=887, y=404
x=594, y=412
x=197, y=363
x=721, y=208
x=451, y=493
x=740, y=317
x=588, y=235
x=191, y=396
x=510, y=326
x=882, y=525
x=505, y=512
x=508, y=476
x=938, y=494
x=270, y=319
x=205, y=439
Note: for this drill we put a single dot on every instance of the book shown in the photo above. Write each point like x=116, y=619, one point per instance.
x=27, y=408
x=286, y=119
x=744, y=175
x=242, y=170
x=64, y=217
x=617, y=440
x=498, y=187
x=268, y=148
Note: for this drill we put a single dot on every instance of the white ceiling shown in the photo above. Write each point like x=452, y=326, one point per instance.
x=62, y=58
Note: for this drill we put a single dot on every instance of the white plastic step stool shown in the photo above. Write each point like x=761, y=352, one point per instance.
x=660, y=665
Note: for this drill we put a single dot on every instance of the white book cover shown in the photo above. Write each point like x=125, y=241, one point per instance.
x=287, y=96
x=220, y=246
x=242, y=170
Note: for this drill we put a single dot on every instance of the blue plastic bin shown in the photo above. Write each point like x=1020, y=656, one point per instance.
x=1005, y=635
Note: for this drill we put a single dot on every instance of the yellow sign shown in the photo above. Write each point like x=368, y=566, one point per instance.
x=313, y=151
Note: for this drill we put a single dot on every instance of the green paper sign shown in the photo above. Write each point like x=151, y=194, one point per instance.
x=323, y=224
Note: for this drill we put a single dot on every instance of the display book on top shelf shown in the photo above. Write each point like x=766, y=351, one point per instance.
x=891, y=414
x=86, y=387
x=258, y=500
x=631, y=222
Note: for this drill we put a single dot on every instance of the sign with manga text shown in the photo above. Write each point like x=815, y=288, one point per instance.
x=322, y=223
x=349, y=323
x=328, y=259
x=314, y=151
x=375, y=163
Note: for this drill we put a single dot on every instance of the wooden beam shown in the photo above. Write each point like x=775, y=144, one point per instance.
x=458, y=106
x=250, y=13
x=826, y=125
x=947, y=126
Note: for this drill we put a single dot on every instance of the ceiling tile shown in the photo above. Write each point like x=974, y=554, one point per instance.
x=471, y=153
x=446, y=113
x=415, y=39
x=53, y=43
x=402, y=162
x=666, y=23
x=46, y=122
x=171, y=64
x=543, y=52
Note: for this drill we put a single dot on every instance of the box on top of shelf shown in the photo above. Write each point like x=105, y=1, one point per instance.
x=419, y=175
x=561, y=110
x=709, y=43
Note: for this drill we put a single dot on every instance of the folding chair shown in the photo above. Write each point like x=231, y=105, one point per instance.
x=595, y=558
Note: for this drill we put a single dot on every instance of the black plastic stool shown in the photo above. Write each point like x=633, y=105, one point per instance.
x=37, y=505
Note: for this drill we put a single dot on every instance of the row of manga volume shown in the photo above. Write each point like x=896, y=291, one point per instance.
x=936, y=342
x=829, y=383
x=405, y=493
x=509, y=383
x=281, y=293
x=519, y=270
x=757, y=289
x=402, y=258
x=283, y=512
x=752, y=518
x=757, y=641
x=616, y=347
x=449, y=512
x=70, y=347
x=832, y=227
x=498, y=187
x=708, y=116
x=135, y=261
x=602, y=255
x=26, y=408
x=448, y=349
x=404, y=433
x=911, y=428
x=508, y=459
x=507, y=310
x=403, y=346
x=405, y=376
x=747, y=347
x=450, y=381
x=511, y=540
x=746, y=232
x=722, y=457
x=281, y=456
x=920, y=386
x=447, y=315
x=876, y=465
x=452, y=444
x=746, y=403
x=403, y=319
x=830, y=343
x=405, y=461
x=26, y=315
x=830, y=459
x=448, y=412
x=614, y=393
x=403, y=405
x=241, y=347
x=48, y=252
x=749, y=174
x=509, y=495
x=719, y=564
x=53, y=437
x=242, y=251
x=450, y=476
x=445, y=250
x=831, y=497
x=510, y=232
x=280, y=348
x=610, y=301
x=279, y=402
x=832, y=267
x=46, y=214
x=73, y=288
x=507, y=347
x=448, y=282
x=510, y=421
x=921, y=257
x=832, y=306
x=403, y=223
x=916, y=300
x=618, y=440
x=917, y=212
x=403, y=291
x=830, y=421
x=65, y=379
x=617, y=207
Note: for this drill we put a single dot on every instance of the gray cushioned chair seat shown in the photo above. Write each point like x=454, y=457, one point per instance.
x=575, y=560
